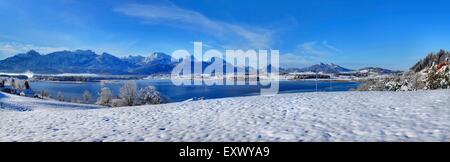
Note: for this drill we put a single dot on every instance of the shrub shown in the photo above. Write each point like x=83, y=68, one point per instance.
x=117, y=103
x=149, y=95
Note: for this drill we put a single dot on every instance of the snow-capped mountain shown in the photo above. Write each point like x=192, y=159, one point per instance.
x=321, y=67
x=154, y=63
x=86, y=61
x=377, y=70
x=157, y=57
x=79, y=61
x=157, y=62
x=136, y=60
x=335, y=69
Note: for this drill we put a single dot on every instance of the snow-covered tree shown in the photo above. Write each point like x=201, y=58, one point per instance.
x=60, y=96
x=20, y=84
x=105, y=97
x=87, y=96
x=128, y=93
x=16, y=83
x=439, y=76
x=149, y=95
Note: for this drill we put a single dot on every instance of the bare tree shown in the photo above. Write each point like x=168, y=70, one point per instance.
x=87, y=96
x=105, y=96
x=128, y=93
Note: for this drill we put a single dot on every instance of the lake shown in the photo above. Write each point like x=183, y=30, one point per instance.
x=175, y=93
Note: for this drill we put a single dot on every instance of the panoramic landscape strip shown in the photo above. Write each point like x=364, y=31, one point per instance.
x=418, y=115
x=224, y=71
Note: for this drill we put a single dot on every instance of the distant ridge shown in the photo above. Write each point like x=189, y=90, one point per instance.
x=319, y=68
x=86, y=61
x=336, y=69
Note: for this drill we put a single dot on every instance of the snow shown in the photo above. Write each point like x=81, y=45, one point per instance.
x=322, y=116
x=77, y=74
x=29, y=74
x=9, y=102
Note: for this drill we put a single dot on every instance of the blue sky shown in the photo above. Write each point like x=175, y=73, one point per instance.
x=353, y=33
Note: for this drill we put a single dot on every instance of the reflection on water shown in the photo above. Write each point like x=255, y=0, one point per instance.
x=181, y=93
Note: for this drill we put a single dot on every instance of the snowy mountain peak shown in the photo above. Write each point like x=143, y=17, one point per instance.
x=377, y=70
x=334, y=65
x=158, y=57
x=138, y=59
x=325, y=68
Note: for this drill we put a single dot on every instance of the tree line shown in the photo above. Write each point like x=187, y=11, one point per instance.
x=129, y=94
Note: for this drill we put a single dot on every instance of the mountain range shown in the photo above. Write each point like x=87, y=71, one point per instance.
x=334, y=69
x=87, y=61
x=321, y=67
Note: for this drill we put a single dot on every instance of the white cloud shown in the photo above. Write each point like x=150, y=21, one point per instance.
x=170, y=14
x=331, y=47
x=308, y=53
x=314, y=48
x=12, y=48
x=289, y=60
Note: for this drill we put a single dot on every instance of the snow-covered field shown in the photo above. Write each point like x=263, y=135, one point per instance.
x=329, y=116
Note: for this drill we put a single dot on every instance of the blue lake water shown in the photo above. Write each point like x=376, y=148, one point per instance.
x=180, y=93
